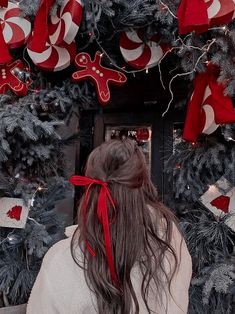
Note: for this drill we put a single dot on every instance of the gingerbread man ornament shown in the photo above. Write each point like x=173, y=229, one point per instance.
x=98, y=74
x=9, y=79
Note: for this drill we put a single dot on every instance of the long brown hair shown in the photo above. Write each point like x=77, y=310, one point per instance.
x=134, y=232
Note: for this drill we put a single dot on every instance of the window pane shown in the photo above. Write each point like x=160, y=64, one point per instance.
x=140, y=134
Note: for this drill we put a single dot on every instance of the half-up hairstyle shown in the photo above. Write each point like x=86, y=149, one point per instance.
x=135, y=229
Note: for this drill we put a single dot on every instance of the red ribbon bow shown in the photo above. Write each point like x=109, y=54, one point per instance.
x=102, y=213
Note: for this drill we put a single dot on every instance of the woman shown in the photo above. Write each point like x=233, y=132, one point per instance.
x=126, y=255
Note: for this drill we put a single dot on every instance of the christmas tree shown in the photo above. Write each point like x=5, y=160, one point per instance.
x=46, y=71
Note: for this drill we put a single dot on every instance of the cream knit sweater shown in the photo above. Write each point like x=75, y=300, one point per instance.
x=60, y=287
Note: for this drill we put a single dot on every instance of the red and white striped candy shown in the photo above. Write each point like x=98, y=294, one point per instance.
x=16, y=29
x=208, y=125
x=220, y=11
x=140, y=54
x=54, y=58
x=64, y=25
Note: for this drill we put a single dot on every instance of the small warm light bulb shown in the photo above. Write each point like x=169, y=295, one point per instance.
x=147, y=71
x=39, y=188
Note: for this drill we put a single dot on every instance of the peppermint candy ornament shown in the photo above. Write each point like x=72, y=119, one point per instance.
x=141, y=54
x=16, y=29
x=64, y=25
x=53, y=58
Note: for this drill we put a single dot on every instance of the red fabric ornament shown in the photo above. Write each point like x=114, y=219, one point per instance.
x=208, y=107
x=142, y=134
x=102, y=215
x=10, y=81
x=40, y=33
x=199, y=15
x=15, y=212
x=4, y=3
x=221, y=202
x=192, y=16
x=98, y=74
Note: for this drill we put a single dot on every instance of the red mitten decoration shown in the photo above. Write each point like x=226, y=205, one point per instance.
x=10, y=81
x=208, y=106
x=221, y=202
x=98, y=74
x=15, y=212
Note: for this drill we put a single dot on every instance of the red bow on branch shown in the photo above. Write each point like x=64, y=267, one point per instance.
x=102, y=213
x=40, y=32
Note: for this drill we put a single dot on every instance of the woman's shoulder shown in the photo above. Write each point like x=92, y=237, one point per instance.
x=60, y=252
